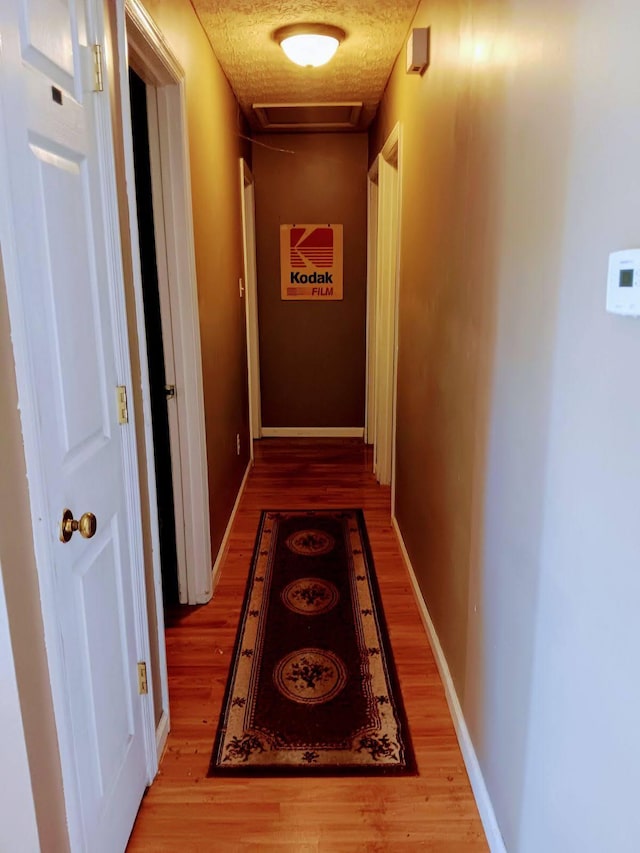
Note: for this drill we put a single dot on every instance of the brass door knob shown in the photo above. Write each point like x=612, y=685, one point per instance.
x=86, y=526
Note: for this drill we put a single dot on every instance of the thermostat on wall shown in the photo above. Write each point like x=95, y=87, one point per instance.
x=418, y=50
x=623, y=283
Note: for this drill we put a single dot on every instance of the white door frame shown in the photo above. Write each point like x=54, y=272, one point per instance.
x=43, y=524
x=152, y=58
x=372, y=281
x=176, y=403
x=251, y=300
x=385, y=321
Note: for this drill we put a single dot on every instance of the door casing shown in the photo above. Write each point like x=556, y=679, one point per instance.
x=144, y=47
x=382, y=319
x=251, y=300
x=372, y=282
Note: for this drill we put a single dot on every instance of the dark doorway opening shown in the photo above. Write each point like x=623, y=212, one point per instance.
x=155, y=347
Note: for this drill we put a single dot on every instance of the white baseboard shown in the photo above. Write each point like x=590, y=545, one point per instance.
x=227, y=532
x=162, y=733
x=480, y=792
x=312, y=432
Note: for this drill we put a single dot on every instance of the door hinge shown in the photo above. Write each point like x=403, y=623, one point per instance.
x=143, y=688
x=121, y=403
x=98, y=68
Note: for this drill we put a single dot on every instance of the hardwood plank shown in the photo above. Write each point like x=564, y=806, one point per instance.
x=184, y=811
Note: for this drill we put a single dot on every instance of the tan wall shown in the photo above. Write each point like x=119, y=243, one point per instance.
x=450, y=160
x=215, y=148
x=518, y=474
x=312, y=354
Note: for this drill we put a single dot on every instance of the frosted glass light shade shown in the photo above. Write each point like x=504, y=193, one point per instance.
x=309, y=45
x=310, y=50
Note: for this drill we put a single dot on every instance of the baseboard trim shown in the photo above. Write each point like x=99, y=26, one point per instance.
x=227, y=532
x=162, y=733
x=478, y=786
x=312, y=432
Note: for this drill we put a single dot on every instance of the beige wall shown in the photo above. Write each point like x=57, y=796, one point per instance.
x=312, y=354
x=518, y=473
x=215, y=148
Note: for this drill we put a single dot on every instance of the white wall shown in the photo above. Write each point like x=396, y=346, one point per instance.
x=534, y=47
x=552, y=694
x=518, y=465
x=583, y=778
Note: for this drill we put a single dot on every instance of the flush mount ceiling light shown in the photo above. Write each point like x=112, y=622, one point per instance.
x=309, y=45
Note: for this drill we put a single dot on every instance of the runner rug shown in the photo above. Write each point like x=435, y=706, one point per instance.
x=312, y=688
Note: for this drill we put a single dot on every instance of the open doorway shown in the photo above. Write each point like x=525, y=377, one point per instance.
x=159, y=352
x=172, y=339
x=163, y=79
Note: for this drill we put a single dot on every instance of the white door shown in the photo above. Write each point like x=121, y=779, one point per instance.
x=65, y=294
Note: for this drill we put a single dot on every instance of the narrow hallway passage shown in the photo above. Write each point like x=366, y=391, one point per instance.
x=185, y=811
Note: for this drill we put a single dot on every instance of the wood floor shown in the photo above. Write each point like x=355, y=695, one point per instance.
x=184, y=811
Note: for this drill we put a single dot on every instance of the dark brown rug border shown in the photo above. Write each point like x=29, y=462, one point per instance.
x=371, y=771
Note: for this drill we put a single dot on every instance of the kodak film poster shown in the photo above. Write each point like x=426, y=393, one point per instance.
x=311, y=262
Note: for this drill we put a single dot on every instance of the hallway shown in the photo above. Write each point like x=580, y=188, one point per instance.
x=504, y=298
x=185, y=811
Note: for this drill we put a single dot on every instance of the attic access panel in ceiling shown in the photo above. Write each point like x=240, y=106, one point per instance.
x=305, y=117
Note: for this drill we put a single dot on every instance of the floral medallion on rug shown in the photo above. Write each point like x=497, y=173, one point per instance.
x=312, y=688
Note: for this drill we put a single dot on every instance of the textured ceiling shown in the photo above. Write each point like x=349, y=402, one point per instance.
x=240, y=32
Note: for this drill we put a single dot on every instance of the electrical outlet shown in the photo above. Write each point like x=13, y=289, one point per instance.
x=238, y=444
